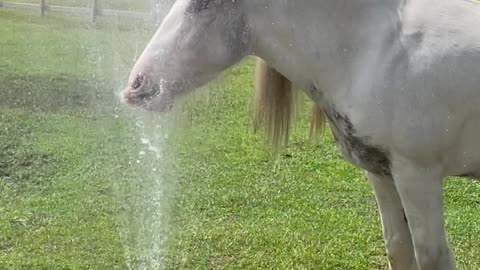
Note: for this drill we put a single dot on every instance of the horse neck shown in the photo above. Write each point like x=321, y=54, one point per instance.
x=321, y=40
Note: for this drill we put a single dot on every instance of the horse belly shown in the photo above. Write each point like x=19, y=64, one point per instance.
x=464, y=159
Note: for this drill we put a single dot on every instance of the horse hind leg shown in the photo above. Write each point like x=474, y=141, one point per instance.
x=420, y=190
x=398, y=241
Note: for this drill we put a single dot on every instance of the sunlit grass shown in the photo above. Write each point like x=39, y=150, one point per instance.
x=65, y=143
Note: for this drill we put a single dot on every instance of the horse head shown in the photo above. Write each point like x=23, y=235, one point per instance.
x=197, y=40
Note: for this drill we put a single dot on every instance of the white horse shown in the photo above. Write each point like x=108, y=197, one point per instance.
x=398, y=81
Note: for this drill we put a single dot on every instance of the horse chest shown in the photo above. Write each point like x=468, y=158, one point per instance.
x=356, y=149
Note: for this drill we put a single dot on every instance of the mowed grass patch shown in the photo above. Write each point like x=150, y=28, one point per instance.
x=62, y=63
x=55, y=209
x=62, y=142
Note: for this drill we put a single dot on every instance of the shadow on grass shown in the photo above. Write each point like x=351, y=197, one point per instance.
x=57, y=93
x=17, y=167
x=21, y=164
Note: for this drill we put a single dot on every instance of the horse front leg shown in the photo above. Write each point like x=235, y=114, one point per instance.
x=398, y=241
x=420, y=190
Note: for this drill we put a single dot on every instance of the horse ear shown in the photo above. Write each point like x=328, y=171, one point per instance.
x=274, y=103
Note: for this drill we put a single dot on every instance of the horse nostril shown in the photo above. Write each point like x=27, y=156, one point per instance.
x=138, y=81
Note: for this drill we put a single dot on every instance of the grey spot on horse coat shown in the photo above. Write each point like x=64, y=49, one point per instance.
x=197, y=6
x=356, y=149
x=314, y=93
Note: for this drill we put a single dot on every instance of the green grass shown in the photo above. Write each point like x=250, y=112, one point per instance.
x=57, y=159
x=72, y=192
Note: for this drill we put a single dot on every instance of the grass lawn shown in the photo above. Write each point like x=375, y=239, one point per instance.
x=80, y=188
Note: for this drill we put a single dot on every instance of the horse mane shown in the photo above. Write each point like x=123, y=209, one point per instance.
x=275, y=105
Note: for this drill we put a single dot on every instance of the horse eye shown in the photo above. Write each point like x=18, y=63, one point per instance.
x=138, y=81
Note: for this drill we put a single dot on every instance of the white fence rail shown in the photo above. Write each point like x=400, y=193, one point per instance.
x=93, y=11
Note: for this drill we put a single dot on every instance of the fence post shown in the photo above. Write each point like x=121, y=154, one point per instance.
x=95, y=10
x=43, y=7
x=155, y=7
